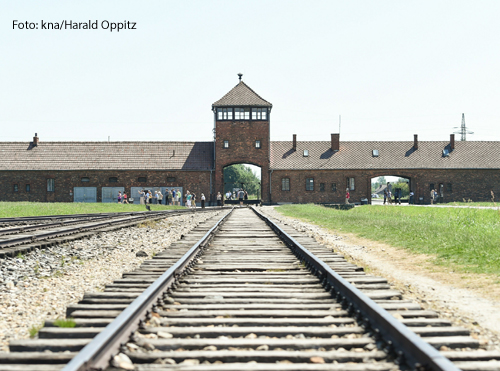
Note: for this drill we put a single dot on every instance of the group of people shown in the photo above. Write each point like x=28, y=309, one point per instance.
x=435, y=196
x=191, y=200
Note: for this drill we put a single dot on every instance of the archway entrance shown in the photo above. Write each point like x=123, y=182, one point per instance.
x=242, y=177
x=399, y=187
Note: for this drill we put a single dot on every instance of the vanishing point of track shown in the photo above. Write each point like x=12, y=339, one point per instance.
x=249, y=295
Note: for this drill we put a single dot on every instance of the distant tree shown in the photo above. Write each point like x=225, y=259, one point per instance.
x=403, y=184
x=235, y=175
x=380, y=181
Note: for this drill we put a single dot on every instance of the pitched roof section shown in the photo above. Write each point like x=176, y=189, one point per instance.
x=242, y=95
x=106, y=156
x=392, y=155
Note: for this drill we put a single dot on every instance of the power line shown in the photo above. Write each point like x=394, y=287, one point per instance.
x=463, y=130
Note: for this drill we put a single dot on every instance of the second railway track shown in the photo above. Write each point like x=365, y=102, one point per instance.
x=251, y=302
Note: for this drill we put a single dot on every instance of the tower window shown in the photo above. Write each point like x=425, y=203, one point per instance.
x=321, y=187
x=50, y=185
x=226, y=144
x=142, y=179
x=334, y=187
x=15, y=187
x=28, y=188
x=259, y=113
x=350, y=183
x=113, y=179
x=224, y=113
x=242, y=113
x=449, y=188
x=171, y=179
x=309, y=184
x=85, y=179
x=257, y=144
x=285, y=184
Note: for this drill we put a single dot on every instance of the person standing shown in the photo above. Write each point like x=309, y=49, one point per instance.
x=178, y=196
x=246, y=195
x=219, y=199
x=119, y=197
x=385, y=195
x=432, y=197
x=241, y=195
x=142, y=197
x=347, y=195
x=188, y=199
x=125, y=198
x=412, y=195
x=202, y=201
x=193, y=201
x=160, y=197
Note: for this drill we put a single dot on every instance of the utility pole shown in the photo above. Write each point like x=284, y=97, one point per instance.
x=463, y=130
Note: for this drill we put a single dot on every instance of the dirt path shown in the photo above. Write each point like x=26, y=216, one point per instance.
x=469, y=300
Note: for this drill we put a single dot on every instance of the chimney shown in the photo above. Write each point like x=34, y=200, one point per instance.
x=294, y=145
x=452, y=141
x=35, y=140
x=335, y=142
x=415, y=141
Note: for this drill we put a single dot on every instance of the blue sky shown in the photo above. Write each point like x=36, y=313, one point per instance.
x=391, y=69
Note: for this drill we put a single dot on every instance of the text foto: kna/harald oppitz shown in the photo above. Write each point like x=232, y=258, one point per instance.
x=71, y=25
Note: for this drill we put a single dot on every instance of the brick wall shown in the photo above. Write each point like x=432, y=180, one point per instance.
x=242, y=136
x=466, y=184
x=194, y=181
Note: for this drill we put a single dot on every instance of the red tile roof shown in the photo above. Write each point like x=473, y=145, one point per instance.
x=392, y=155
x=242, y=95
x=106, y=156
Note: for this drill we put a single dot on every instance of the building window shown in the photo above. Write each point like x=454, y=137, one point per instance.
x=350, y=184
x=285, y=184
x=449, y=188
x=309, y=184
x=50, y=185
x=170, y=179
x=242, y=113
x=224, y=113
x=334, y=187
x=226, y=144
x=28, y=188
x=306, y=153
x=113, y=179
x=321, y=187
x=257, y=144
x=431, y=186
x=142, y=179
x=15, y=187
x=259, y=113
x=85, y=179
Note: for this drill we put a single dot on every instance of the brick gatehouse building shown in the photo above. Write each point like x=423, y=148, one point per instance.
x=291, y=171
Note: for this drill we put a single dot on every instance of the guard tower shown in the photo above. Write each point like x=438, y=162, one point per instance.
x=242, y=134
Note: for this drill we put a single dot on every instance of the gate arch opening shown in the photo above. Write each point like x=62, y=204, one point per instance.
x=245, y=177
x=398, y=186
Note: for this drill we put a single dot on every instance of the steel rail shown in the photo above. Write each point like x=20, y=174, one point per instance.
x=97, y=354
x=37, y=234
x=408, y=346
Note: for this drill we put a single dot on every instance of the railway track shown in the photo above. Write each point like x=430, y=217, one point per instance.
x=31, y=233
x=249, y=295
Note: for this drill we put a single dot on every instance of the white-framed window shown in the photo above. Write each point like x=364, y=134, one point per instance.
x=50, y=185
x=242, y=113
x=257, y=144
x=350, y=184
x=224, y=113
x=259, y=113
x=306, y=153
x=226, y=144
x=285, y=184
x=309, y=184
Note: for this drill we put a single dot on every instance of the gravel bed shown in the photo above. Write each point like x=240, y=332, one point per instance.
x=40, y=285
x=460, y=306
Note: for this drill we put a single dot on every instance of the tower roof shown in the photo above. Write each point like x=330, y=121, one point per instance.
x=241, y=95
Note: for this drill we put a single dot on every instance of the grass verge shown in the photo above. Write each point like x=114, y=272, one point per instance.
x=465, y=239
x=16, y=209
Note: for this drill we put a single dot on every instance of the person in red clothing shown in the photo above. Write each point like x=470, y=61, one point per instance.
x=347, y=195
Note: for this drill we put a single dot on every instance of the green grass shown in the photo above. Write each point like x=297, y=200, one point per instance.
x=33, y=330
x=464, y=239
x=489, y=204
x=15, y=209
x=68, y=323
